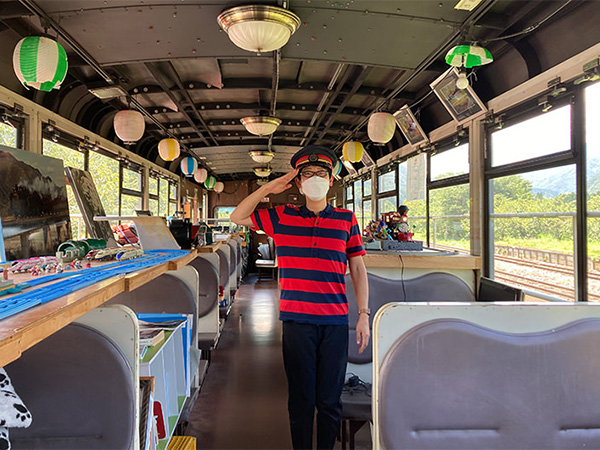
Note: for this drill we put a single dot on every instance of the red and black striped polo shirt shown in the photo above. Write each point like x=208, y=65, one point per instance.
x=312, y=255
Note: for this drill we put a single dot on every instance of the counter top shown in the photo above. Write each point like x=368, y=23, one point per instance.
x=422, y=260
x=21, y=331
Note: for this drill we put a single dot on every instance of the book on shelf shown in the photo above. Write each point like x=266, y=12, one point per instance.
x=151, y=336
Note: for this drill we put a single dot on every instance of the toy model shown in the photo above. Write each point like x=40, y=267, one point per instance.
x=126, y=255
x=107, y=254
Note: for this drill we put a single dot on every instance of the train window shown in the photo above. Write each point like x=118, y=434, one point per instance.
x=163, y=198
x=449, y=163
x=223, y=212
x=130, y=204
x=386, y=204
x=153, y=186
x=541, y=135
x=449, y=219
x=386, y=182
x=105, y=172
x=416, y=208
x=592, y=139
x=8, y=135
x=367, y=212
x=132, y=180
x=172, y=198
x=532, y=218
x=367, y=188
x=71, y=158
x=358, y=207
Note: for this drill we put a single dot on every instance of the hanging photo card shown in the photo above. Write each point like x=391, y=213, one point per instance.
x=415, y=177
x=90, y=204
x=409, y=126
x=462, y=104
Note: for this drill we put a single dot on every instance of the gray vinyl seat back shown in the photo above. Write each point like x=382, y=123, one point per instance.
x=272, y=248
x=79, y=388
x=453, y=384
x=223, y=268
x=165, y=294
x=431, y=287
x=233, y=251
x=208, y=285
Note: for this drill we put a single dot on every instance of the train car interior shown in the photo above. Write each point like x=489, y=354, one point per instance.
x=466, y=147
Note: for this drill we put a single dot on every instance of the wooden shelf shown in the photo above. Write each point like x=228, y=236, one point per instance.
x=210, y=248
x=22, y=331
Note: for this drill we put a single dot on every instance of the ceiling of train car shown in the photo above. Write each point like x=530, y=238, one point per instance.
x=348, y=59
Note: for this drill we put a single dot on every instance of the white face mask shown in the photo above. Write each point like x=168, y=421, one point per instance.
x=315, y=188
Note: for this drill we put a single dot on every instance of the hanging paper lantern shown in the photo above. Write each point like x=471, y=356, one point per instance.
x=129, y=125
x=40, y=62
x=168, y=149
x=381, y=127
x=468, y=56
x=337, y=168
x=210, y=182
x=188, y=166
x=200, y=175
x=353, y=151
x=219, y=186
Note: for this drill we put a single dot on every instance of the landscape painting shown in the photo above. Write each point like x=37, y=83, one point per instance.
x=34, y=210
x=90, y=204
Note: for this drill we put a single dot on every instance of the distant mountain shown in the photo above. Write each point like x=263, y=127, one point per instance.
x=561, y=180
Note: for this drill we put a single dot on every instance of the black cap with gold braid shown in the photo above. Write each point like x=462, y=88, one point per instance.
x=314, y=155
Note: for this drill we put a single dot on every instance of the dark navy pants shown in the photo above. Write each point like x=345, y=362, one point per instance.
x=315, y=359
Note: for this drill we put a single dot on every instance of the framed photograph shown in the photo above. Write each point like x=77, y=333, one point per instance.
x=34, y=209
x=462, y=104
x=409, y=126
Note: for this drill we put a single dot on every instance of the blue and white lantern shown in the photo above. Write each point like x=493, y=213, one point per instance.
x=188, y=166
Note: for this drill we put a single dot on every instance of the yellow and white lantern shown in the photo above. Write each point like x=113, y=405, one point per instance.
x=168, y=149
x=353, y=151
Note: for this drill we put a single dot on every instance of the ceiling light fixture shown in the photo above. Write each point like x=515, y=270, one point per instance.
x=466, y=56
x=259, y=28
x=261, y=156
x=260, y=125
x=262, y=172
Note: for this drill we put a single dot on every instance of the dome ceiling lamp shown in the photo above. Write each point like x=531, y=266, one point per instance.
x=261, y=125
x=261, y=156
x=262, y=172
x=259, y=28
x=466, y=56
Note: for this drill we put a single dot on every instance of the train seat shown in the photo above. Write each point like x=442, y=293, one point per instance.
x=224, y=280
x=79, y=388
x=268, y=260
x=492, y=376
x=233, y=264
x=436, y=286
x=208, y=303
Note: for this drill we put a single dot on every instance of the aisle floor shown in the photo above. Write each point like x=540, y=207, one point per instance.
x=243, y=402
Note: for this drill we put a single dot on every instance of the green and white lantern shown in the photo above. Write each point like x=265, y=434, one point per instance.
x=210, y=182
x=40, y=62
x=468, y=56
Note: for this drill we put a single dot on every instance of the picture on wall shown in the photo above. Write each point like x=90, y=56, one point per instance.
x=462, y=104
x=90, y=204
x=34, y=210
x=409, y=126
